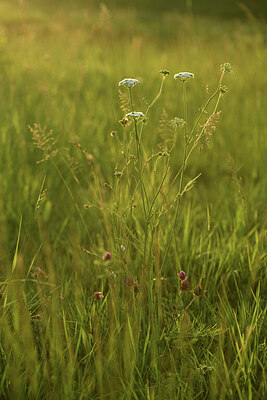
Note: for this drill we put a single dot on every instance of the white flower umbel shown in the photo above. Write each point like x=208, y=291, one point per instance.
x=135, y=115
x=129, y=82
x=184, y=76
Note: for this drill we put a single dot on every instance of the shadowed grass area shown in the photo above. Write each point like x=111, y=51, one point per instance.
x=148, y=339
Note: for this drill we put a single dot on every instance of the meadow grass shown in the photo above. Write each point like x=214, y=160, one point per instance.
x=71, y=191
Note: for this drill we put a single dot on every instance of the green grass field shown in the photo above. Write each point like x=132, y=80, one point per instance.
x=70, y=191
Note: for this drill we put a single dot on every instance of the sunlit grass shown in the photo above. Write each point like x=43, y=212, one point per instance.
x=59, y=217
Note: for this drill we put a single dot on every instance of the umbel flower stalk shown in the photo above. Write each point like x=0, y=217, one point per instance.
x=188, y=139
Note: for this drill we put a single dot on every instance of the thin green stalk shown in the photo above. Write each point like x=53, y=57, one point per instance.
x=181, y=178
x=152, y=104
x=138, y=156
x=73, y=199
x=188, y=153
x=141, y=132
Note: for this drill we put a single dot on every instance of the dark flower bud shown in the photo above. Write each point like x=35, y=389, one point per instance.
x=182, y=275
x=164, y=72
x=98, y=295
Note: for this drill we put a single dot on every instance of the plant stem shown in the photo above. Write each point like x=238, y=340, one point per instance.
x=177, y=211
x=138, y=156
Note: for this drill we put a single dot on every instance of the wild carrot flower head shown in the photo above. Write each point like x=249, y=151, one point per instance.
x=184, y=76
x=226, y=67
x=98, y=295
x=107, y=256
x=128, y=82
x=182, y=275
x=135, y=115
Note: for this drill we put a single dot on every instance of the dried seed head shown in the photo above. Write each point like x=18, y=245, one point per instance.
x=124, y=122
x=164, y=72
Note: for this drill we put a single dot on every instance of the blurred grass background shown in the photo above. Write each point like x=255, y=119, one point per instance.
x=57, y=67
x=60, y=64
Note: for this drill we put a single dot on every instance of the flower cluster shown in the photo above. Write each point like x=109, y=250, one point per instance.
x=226, y=67
x=128, y=82
x=197, y=291
x=178, y=122
x=135, y=115
x=184, y=76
